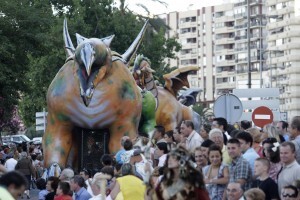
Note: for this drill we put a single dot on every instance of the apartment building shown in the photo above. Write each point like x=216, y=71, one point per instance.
x=283, y=53
x=194, y=30
x=250, y=44
x=224, y=49
x=216, y=40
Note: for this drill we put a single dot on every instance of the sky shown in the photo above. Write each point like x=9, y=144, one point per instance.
x=173, y=5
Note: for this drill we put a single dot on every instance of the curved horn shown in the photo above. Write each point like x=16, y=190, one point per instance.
x=68, y=42
x=79, y=38
x=107, y=40
x=135, y=45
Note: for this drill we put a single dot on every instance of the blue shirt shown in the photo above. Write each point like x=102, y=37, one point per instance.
x=286, y=137
x=42, y=194
x=118, y=156
x=250, y=155
x=82, y=194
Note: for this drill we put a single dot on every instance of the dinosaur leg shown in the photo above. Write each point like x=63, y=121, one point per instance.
x=117, y=131
x=57, y=142
x=168, y=120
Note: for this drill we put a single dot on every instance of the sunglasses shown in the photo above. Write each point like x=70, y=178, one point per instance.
x=289, y=195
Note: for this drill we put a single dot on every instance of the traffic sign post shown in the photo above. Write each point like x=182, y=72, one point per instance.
x=41, y=120
x=262, y=116
x=229, y=107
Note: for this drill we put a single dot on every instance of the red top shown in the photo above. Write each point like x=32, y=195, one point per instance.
x=63, y=197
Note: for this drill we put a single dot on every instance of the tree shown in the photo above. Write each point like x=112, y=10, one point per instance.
x=22, y=34
x=204, y=113
x=157, y=48
x=36, y=47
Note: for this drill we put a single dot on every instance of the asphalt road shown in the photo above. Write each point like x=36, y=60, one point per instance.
x=34, y=194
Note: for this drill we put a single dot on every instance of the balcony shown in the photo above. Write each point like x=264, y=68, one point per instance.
x=188, y=35
x=224, y=29
x=224, y=19
x=240, y=4
x=283, y=23
x=225, y=73
x=240, y=37
x=225, y=63
x=188, y=56
x=240, y=49
x=257, y=24
x=294, y=70
x=225, y=85
x=286, y=34
x=187, y=24
x=245, y=48
x=283, y=11
x=189, y=45
x=242, y=26
x=241, y=60
x=224, y=41
x=224, y=51
x=255, y=2
x=240, y=15
x=284, y=58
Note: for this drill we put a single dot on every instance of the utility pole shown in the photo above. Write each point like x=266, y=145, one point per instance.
x=248, y=41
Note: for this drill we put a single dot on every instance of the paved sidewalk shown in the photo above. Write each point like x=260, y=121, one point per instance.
x=34, y=195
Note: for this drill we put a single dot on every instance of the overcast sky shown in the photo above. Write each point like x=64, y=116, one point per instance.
x=173, y=5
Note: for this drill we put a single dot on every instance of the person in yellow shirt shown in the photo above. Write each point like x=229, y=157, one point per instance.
x=129, y=185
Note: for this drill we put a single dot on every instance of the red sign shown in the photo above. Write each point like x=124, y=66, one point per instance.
x=262, y=116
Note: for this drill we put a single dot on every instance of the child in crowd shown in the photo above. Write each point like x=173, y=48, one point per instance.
x=264, y=182
x=63, y=191
x=41, y=185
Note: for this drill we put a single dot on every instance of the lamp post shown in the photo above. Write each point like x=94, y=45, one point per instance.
x=248, y=42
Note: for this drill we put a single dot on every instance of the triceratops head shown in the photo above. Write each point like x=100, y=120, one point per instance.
x=93, y=57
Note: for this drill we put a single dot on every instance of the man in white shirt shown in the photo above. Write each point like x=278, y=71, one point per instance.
x=193, y=138
x=138, y=161
x=11, y=163
x=295, y=135
x=86, y=174
x=291, y=169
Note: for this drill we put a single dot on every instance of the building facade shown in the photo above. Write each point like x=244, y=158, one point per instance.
x=250, y=44
x=283, y=53
x=194, y=31
x=224, y=49
x=224, y=40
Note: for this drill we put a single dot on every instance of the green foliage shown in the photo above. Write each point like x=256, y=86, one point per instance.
x=156, y=47
x=31, y=49
x=31, y=132
x=22, y=27
x=204, y=112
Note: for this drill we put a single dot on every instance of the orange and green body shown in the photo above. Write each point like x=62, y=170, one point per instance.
x=116, y=105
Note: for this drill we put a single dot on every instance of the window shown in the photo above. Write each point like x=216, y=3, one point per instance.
x=191, y=40
x=204, y=60
x=16, y=139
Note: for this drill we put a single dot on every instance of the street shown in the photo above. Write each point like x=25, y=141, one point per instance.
x=34, y=194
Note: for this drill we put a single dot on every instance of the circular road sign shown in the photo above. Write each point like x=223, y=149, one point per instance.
x=229, y=107
x=261, y=116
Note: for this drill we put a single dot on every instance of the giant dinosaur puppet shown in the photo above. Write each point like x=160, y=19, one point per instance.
x=95, y=90
x=169, y=111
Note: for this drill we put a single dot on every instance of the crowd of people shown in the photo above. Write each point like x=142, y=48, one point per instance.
x=221, y=162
